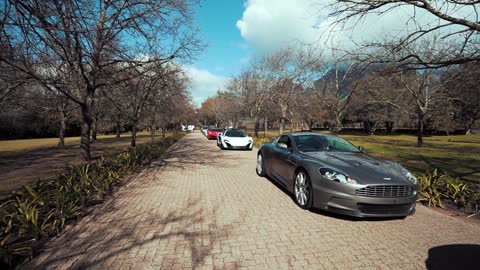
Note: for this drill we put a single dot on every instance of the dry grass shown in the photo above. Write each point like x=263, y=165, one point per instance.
x=32, y=144
x=25, y=161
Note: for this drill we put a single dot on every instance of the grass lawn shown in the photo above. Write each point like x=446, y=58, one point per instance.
x=31, y=144
x=25, y=161
x=458, y=156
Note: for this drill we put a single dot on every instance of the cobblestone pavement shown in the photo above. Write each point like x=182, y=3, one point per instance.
x=204, y=208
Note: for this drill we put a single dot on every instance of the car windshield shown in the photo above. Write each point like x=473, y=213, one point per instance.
x=217, y=130
x=235, y=133
x=315, y=143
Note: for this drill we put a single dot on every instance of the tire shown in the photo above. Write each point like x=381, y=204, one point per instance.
x=302, y=190
x=260, y=168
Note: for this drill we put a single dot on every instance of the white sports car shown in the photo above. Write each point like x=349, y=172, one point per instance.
x=235, y=139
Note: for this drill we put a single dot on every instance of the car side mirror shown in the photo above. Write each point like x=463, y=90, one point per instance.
x=360, y=148
x=282, y=146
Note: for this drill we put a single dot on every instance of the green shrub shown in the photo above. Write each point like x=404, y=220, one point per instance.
x=435, y=189
x=259, y=141
x=430, y=186
x=36, y=213
x=457, y=191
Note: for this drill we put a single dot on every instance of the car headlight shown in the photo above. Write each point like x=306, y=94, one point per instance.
x=333, y=175
x=408, y=174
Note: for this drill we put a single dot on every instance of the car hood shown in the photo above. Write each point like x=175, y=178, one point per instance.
x=362, y=167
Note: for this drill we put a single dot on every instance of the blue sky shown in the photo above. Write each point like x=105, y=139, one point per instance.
x=239, y=30
x=226, y=47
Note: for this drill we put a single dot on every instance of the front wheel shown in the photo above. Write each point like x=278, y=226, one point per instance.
x=260, y=165
x=303, y=190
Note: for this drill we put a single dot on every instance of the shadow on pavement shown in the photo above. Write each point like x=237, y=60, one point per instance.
x=181, y=156
x=129, y=239
x=457, y=256
x=148, y=234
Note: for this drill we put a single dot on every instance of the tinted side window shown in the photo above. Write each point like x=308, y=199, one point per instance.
x=286, y=140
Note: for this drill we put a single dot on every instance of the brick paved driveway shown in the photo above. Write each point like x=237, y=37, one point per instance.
x=201, y=207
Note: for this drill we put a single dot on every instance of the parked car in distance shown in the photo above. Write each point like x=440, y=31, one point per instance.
x=212, y=133
x=188, y=128
x=204, y=130
x=330, y=173
x=234, y=139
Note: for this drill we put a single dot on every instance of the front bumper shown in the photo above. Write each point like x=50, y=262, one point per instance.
x=341, y=198
x=237, y=147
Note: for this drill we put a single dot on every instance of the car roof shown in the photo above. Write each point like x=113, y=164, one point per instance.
x=299, y=133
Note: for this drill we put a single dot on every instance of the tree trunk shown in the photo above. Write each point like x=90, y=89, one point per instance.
x=61, y=133
x=468, y=127
x=265, y=127
x=117, y=129
x=164, y=129
x=338, y=123
x=282, y=123
x=420, y=130
x=389, y=127
x=134, y=134
x=152, y=131
x=257, y=127
x=85, y=129
x=94, y=130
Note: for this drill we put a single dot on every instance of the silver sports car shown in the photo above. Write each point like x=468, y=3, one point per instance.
x=328, y=172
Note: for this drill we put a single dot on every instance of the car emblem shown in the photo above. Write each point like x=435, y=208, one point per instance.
x=387, y=178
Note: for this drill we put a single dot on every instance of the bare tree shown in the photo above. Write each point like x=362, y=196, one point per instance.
x=62, y=108
x=463, y=91
x=170, y=102
x=249, y=91
x=132, y=97
x=372, y=102
x=286, y=74
x=455, y=22
x=310, y=108
x=77, y=46
x=336, y=89
x=211, y=110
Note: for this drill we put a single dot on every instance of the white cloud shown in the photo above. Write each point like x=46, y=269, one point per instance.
x=268, y=25
x=204, y=84
x=271, y=24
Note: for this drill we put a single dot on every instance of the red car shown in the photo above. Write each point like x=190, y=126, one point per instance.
x=212, y=133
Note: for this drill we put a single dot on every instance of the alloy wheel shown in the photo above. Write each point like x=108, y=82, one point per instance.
x=259, y=164
x=302, y=190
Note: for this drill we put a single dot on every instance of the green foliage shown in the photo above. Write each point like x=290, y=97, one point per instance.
x=458, y=191
x=36, y=213
x=430, y=188
x=259, y=141
x=435, y=189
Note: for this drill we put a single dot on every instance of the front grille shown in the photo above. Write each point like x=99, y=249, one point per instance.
x=386, y=209
x=386, y=191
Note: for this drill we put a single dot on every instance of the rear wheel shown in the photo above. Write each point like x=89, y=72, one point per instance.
x=303, y=190
x=260, y=165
